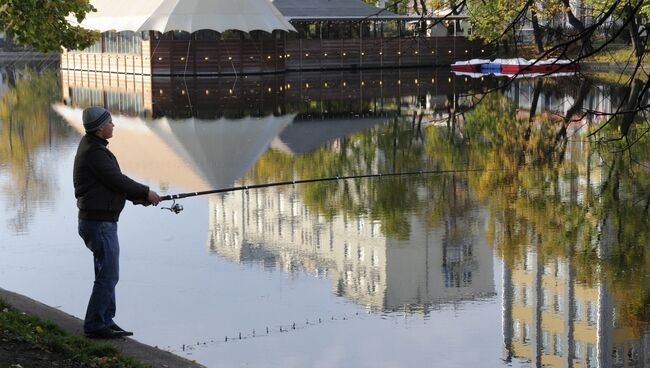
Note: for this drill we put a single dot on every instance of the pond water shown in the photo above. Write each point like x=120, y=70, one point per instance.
x=527, y=247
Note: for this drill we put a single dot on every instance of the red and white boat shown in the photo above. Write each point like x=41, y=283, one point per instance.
x=514, y=66
x=468, y=66
x=523, y=66
x=554, y=66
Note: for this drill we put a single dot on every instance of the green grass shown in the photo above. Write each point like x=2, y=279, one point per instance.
x=621, y=54
x=616, y=78
x=46, y=336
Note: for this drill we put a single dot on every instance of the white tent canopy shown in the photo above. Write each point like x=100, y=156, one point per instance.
x=185, y=15
x=332, y=9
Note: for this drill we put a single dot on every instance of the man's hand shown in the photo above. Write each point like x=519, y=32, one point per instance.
x=153, y=198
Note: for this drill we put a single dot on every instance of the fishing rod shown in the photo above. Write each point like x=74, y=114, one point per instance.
x=177, y=208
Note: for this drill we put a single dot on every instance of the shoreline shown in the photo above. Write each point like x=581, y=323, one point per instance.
x=612, y=67
x=146, y=354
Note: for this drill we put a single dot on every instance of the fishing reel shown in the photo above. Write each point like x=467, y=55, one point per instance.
x=175, y=207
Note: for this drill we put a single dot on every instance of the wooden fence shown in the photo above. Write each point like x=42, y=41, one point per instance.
x=166, y=57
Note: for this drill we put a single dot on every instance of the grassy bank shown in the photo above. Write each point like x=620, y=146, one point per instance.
x=616, y=53
x=30, y=342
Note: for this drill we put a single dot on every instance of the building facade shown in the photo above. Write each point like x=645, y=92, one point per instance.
x=329, y=35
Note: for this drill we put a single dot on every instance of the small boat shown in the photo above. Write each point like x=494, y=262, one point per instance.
x=513, y=66
x=509, y=67
x=554, y=66
x=469, y=66
x=523, y=66
x=492, y=67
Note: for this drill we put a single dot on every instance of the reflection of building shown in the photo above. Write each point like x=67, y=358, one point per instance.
x=327, y=95
x=554, y=321
x=574, y=100
x=276, y=228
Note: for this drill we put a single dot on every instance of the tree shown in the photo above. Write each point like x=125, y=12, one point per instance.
x=500, y=22
x=43, y=24
x=631, y=13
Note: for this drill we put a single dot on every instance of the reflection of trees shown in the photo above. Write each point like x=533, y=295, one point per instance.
x=624, y=217
x=559, y=205
x=394, y=147
x=543, y=186
x=25, y=126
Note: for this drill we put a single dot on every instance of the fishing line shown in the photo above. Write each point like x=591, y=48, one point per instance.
x=177, y=208
x=268, y=331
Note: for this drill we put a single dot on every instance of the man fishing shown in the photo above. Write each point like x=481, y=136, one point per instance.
x=101, y=191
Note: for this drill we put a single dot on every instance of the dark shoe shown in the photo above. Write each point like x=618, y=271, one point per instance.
x=119, y=329
x=104, y=333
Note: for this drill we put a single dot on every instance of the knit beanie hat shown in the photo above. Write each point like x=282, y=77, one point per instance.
x=94, y=117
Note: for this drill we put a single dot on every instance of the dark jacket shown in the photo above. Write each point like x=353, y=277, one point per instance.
x=99, y=186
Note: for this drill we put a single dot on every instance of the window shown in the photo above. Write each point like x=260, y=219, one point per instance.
x=96, y=47
x=123, y=42
x=632, y=356
x=354, y=30
x=591, y=356
x=557, y=345
x=516, y=329
x=558, y=303
x=592, y=312
x=375, y=259
x=389, y=28
x=617, y=355
x=578, y=350
x=546, y=299
x=577, y=310
x=546, y=342
x=231, y=35
x=206, y=35
x=467, y=278
x=526, y=333
x=313, y=31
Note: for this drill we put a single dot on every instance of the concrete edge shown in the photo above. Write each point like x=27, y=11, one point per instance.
x=146, y=354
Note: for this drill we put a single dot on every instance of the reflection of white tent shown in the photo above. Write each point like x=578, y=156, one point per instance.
x=188, y=154
x=223, y=150
x=185, y=15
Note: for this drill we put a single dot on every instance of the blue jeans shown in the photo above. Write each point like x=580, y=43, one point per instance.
x=101, y=238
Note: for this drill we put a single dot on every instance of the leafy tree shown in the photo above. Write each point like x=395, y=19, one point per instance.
x=43, y=24
x=631, y=14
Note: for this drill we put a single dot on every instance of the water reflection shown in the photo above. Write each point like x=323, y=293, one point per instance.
x=566, y=219
x=189, y=154
x=310, y=95
x=424, y=269
x=27, y=129
x=552, y=319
